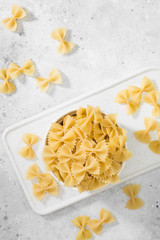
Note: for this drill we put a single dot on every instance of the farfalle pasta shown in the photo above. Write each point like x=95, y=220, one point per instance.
x=65, y=46
x=46, y=183
x=146, y=86
x=6, y=86
x=105, y=217
x=27, y=152
x=17, y=13
x=86, y=149
x=132, y=191
x=28, y=69
x=81, y=222
x=132, y=97
x=152, y=99
x=54, y=77
x=143, y=135
x=155, y=145
x=131, y=105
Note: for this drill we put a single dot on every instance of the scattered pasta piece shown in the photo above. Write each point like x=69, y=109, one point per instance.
x=131, y=191
x=123, y=97
x=17, y=13
x=86, y=149
x=104, y=217
x=40, y=189
x=33, y=172
x=27, y=69
x=64, y=46
x=152, y=99
x=27, y=152
x=155, y=145
x=80, y=222
x=54, y=77
x=146, y=86
x=143, y=135
x=7, y=86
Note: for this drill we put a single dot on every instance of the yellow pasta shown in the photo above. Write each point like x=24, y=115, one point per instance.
x=54, y=77
x=50, y=158
x=152, y=99
x=84, y=157
x=143, y=135
x=131, y=105
x=28, y=69
x=79, y=170
x=27, y=152
x=117, y=146
x=65, y=46
x=105, y=217
x=100, y=149
x=155, y=145
x=146, y=86
x=40, y=189
x=80, y=222
x=131, y=191
x=69, y=181
x=17, y=13
x=6, y=87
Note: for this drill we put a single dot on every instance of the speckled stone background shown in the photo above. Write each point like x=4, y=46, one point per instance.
x=113, y=38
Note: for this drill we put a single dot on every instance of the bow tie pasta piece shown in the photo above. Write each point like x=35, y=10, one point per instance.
x=17, y=13
x=110, y=127
x=69, y=181
x=6, y=87
x=155, y=145
x=79, y=171
x=100, y=149
x=57, y=141
x=33, y=172
x=64, y=46
x=50, y=158
x=105, y=217
x=143, y=135
x=117, y=147
x=131, y=191
x=39, y=190
x=146, y=86
x=123, y=97
x=54, y=77
x=65, y=154
x=28, y=69
x=27, y=152
x=81, y=112
x=152, y=99
x=80, y=222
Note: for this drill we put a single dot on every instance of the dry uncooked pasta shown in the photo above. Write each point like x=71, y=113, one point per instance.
x=64, y=46
x=81, y=222
x=143, y=135
x=146, y=86
x=155, y=145
x=17, y=13
x=132, y=191
x=27, y=152
x=6, y=87
x=28, y=69
x=152, y=99
x=131, y=105
x=46, y=183
x=86, y=149
x=54, y=77
x=105, y=217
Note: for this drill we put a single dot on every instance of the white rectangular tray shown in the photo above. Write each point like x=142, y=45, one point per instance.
x=142, y=161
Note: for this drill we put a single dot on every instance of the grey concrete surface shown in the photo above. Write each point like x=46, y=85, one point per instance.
x=113, y=38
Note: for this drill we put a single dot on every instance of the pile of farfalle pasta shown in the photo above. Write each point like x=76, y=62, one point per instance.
x=87, y=150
